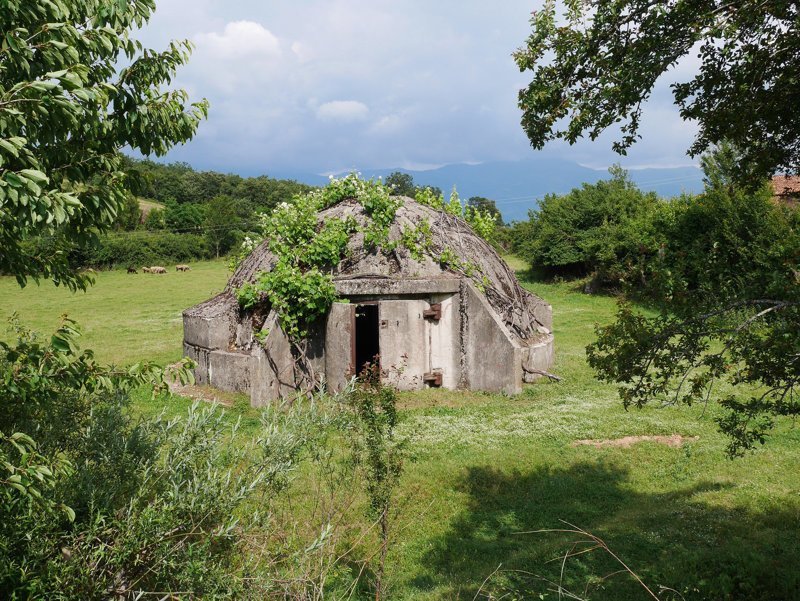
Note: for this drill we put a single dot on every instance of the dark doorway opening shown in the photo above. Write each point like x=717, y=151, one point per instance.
x=367, y=338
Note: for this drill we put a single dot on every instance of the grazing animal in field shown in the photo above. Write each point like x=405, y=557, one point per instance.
x=182, y=268
x=132, y=270
x=158, y=269
x=147, y=270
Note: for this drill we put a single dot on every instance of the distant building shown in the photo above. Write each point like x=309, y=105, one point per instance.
x=787, y=189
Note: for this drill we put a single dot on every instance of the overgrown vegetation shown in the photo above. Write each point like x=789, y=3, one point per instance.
x=379, y=451
x=722, y=269
x=606, y=230
x=299, y=286
x=726, y=282
x=95, y=503
x=67, y=108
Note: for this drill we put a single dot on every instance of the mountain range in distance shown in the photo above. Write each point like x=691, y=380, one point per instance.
x=518, y=186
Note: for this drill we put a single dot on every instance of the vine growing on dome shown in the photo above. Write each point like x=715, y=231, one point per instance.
x=299, y=286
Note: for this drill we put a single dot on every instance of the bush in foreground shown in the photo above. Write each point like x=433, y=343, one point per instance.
x=97, y=504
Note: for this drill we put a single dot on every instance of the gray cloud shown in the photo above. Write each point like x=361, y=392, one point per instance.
x=334, y=84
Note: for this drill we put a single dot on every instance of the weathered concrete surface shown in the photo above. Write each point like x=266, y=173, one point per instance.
x=389, y=287
x=229, y=370
x=493, y=358
x=212, y=324
x=538, y=357
x=272, y=366
x=338, y=345
x=543, y=313
x=444, y=340
x=403, y=343
x=200, y=357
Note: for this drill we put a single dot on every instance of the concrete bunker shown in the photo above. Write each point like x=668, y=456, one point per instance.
x=426, y=323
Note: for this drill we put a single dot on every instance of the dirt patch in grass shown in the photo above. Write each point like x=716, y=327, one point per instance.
x=673, y=440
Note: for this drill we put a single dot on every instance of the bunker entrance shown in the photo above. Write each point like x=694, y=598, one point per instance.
x=367, y=338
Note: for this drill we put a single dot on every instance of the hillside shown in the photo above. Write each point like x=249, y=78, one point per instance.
x=516, y=186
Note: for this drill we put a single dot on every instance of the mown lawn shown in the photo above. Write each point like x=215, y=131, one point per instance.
x=487, y=470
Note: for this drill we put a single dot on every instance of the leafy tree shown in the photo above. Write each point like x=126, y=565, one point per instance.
x=66, y=109
x=401, y=184
x=595, y=67
x=184, y=217
x=487, y=206
x=129, y=215
x=224, y=219
x=603, y=229
x=155, y=220
x=727, y=284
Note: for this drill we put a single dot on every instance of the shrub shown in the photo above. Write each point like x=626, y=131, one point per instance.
x=602, y=229
x=97, y=504
x=146, y=248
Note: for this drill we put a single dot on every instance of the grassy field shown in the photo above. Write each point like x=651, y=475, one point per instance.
x=148, y=205
x=487, y=470
x=124, y=317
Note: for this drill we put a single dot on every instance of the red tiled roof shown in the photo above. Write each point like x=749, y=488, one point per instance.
x=786, y=186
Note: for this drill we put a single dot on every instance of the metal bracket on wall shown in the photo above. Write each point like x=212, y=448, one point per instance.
x=433, y=379
x=434, y=313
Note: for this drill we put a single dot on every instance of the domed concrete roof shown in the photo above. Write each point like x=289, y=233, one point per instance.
x=522, y=312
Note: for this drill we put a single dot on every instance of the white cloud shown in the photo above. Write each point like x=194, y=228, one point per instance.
x=284, y=77
x=240, y=40
x=303, y=52
x=343, y=110
x=387, y=125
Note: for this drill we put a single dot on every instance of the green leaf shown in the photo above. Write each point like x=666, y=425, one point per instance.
x=35, y=175
x=9, y=147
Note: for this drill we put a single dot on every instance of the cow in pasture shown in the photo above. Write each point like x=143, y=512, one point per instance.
x=158, y=269
x=182, y=268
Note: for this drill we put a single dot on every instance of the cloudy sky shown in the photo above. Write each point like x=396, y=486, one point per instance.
x=328, y=85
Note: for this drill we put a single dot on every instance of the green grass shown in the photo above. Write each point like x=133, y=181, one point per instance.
x=125, y=318
x=148, y=205
x=487, y=470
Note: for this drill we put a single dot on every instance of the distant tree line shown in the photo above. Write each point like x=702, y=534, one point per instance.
x=173, y=213
x=621, y=238
x=179, y=183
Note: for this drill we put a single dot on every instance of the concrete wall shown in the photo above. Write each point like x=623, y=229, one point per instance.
x=538, y=357
x=207, y=332
x=403, y=342
x=470, y=345
x=272, y=371
x=492, y=360
x=338, y=342
x=444, y=338
x=211, y=328
x=229, y=370
x=200, y=357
